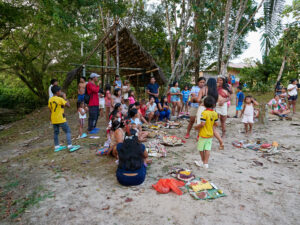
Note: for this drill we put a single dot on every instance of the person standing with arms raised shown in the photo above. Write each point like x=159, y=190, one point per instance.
x=194, y=105
x=92, y=90
x=153, y=90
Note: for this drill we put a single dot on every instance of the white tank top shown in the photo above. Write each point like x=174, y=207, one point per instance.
x=82, y=116
x=249, y=110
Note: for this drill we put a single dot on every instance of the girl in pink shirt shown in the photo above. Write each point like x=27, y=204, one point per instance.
x=131, y=97
x=107, y=101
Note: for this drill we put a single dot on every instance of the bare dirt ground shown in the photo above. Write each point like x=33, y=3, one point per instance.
x=39, y=186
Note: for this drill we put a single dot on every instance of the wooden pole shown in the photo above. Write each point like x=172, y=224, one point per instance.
x=135, y=74
x=117, y=51
x=102, y=62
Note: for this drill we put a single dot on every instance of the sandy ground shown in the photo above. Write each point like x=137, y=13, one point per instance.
x=87, y=192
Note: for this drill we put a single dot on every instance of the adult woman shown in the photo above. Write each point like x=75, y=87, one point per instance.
x=131, y=169
x=164, y=110
x=137, y=124
x=117, y=136
x=292, y=94
x=117, y=97
x=175, y=98
x=152, y=111
x=221, y=107
x=278, y=88
x=209, y=90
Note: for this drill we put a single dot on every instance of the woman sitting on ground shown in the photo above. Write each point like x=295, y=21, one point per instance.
x=136, y=124
x=164, y=109
x=117, y=136
x=132, y=154
x=277, y=108
x=152, y=112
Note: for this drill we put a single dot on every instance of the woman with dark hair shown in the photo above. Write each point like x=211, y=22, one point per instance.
x=117, y=97
x=137, y=124
x=278, y=88
x=117, y=136
x=209, y=90
x=164, y=110
x=132, y=154
x=116, y=112
x=175, y=98
x=221, y=107
x=292, y=94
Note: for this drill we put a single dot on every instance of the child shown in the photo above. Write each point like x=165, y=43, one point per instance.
x=125, y=104
x=143, y=108
x=56, y=105
x=107, y=101
x=125, y=89
x=131, y=97
x=137, y=124
x=248, y=113
x=209, y=120
x=101, y=102
x=185, y=99
x=239, y=100
x=82, y=110
x=118, y=82
x=283, y=93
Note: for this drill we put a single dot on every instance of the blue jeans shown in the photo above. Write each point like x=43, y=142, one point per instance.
x=164, y=114
x=66, y=129
x=93, y=117
x=131, y=180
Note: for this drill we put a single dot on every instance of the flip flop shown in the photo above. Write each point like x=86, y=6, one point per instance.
x=84, y=135
x=60, y=148
x=74, y=148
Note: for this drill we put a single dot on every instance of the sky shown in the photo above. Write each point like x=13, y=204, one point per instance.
x=253, y=38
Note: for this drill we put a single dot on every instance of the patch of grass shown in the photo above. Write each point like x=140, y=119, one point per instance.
x=30, y=200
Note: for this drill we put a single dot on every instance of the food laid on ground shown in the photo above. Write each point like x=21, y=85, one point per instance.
x=172, y=140
x=156, y=133
x=173, y=125
x=202, y=189
x=155, y=149
x=185, y=175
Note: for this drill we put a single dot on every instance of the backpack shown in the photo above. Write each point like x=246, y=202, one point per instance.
x=86, y=96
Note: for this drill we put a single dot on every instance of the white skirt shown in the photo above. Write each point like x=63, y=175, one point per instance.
x=222, y=110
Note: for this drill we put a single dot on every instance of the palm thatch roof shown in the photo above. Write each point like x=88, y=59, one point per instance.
x=132, y=54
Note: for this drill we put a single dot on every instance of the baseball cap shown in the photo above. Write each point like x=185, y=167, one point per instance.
x=94, y=75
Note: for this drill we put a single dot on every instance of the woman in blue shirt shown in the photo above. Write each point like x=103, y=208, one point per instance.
x=175, y=98
x=132, y=155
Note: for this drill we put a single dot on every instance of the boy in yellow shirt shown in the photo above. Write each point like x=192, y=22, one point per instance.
x=56, y=105
x=209, y=119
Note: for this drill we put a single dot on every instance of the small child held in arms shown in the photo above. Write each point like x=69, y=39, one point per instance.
x=239, y=100
x=248, y=113
x=209, y=119
x=82, y=110
x=56, y=105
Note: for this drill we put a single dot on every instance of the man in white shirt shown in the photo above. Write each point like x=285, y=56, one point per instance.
x=194, y=104
x=292, y=94
x=53, y=82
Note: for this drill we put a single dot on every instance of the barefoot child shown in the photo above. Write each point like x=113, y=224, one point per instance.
x=209, y=120
x=185, y=99
x=239, y=100
x=56, y=105
x=248, y=113
x=82, y=110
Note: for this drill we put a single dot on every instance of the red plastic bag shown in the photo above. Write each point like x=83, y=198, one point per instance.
x=165, y=185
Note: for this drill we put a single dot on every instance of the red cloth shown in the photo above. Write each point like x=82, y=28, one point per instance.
x=92, y=91
x=165, y=185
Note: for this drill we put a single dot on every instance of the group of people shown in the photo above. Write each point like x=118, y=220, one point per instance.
x=206, y=103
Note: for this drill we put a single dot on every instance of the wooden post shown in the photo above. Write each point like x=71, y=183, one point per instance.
x=117, y=51
x=102, y=62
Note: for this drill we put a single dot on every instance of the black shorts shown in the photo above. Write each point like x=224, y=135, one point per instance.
x=293, y=98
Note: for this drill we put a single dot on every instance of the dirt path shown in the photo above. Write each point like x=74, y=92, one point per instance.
x=84, y=189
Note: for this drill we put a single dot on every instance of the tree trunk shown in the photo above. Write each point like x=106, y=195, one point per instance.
x=281, y=68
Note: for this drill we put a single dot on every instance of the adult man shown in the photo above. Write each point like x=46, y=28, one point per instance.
x=153, y=90
x=194, y=105
x=81, y=89
x=53, y=82
x=92, y=91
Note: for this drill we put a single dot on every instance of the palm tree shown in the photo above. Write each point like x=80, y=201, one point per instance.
x=271, y=23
